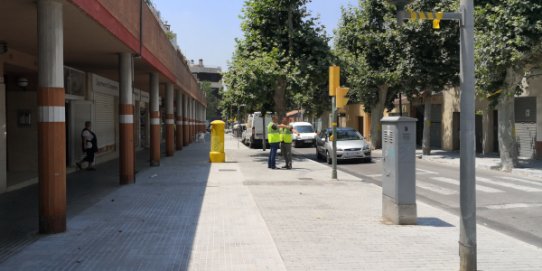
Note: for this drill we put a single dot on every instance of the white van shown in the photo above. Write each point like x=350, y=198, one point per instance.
x=304, y=134
x=256, y=129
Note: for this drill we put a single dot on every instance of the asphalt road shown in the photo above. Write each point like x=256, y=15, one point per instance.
x=508, y=203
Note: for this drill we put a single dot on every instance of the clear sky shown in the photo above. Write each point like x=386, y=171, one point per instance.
x=207, y=28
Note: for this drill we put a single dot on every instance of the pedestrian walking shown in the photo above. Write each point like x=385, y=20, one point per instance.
x=89, y=144
x=273, y=137
x=286, y=131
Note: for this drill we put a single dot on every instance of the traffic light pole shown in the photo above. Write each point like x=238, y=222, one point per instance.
x=467, y=173
x=467, y=237
x=334, y=141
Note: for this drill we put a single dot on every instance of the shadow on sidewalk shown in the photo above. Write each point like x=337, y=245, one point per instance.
x=165, y=201
x=19, y=209
x=433, y=222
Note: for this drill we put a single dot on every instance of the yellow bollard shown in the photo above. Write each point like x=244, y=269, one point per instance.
x=217, y=154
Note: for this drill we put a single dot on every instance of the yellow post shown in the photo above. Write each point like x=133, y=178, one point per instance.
x=217, y=154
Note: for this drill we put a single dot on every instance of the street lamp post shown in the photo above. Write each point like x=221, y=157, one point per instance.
x=467, y=237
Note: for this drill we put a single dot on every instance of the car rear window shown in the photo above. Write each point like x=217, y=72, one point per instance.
x=304, y=129
x=344, y=135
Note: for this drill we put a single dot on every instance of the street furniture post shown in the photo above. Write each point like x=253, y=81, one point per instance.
x=467, y=236
x=217, y=154
x=334, y=82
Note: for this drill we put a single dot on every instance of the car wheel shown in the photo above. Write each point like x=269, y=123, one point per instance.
x=328, y=158
x=368, y=160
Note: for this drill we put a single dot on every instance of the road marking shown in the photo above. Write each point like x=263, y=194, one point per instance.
x=374, y=175
x=513, y=206
x=435, y=188
x=520, y=180
x=509, y=185
x=478, y=187
x=425, y=171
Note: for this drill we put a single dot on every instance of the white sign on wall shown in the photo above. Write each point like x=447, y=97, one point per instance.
x=106, y=86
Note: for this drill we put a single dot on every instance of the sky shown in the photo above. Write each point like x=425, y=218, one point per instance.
x=207, y=29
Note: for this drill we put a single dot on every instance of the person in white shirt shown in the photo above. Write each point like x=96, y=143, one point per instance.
x=89, y=144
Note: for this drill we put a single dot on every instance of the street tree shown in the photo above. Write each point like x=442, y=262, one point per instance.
x=508, y=44
x=429, y=59
x=367, y=46
x=282, y=59
x=213, y=97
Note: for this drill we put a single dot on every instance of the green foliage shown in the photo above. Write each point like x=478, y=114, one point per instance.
x=508, y=38
x=252, y=80
x=374, y=51
x=284, y=47
x=429, y=58
x=367, y=46
x=213, y=98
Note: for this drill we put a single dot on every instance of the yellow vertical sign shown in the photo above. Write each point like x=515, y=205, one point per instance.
x=334, y=79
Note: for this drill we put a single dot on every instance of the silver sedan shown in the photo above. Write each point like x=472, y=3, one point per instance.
x=350, y=145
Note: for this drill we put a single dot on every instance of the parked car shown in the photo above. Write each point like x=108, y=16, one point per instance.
x=350, y=145
x=256, y=129
x=304, y=134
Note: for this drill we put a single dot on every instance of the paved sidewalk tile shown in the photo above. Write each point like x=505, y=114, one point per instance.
x=231, y=233
x=184, y=215
x=190, y=215
x=321, y=224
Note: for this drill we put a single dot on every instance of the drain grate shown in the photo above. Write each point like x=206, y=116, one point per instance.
x=305, y=179
x=227, y=169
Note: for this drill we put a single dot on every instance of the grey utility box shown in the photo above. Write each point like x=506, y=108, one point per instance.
x=399, y=170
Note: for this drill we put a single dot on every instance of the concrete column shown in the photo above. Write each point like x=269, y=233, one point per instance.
x=3, y=132
x=189, y=120
x=179, y=120
x=202, y=118
x=155, y=119
x=538, y=145
x=196, y=117
x=170, y=120
x=192, y=121
x=126, y=120
x=51, y=119
x=186, y=124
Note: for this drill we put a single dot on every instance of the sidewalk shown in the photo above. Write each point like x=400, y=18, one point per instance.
x=191, y=215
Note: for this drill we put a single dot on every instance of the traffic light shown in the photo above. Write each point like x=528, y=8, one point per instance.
x=436, y=21
x=341, y=97
x=334, y=79
x=436, y=17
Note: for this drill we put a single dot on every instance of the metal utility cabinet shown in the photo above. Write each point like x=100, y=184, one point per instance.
x=399, y=170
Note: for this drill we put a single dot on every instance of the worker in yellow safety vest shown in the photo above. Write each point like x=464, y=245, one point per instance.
x=286, y=131
x=273, y=137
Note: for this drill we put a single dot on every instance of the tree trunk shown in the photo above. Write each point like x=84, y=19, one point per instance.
x=507, y=133
x=280, y=98
x=426, y=140
x=377, y=111
x=507, y=141
x=488, y=137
